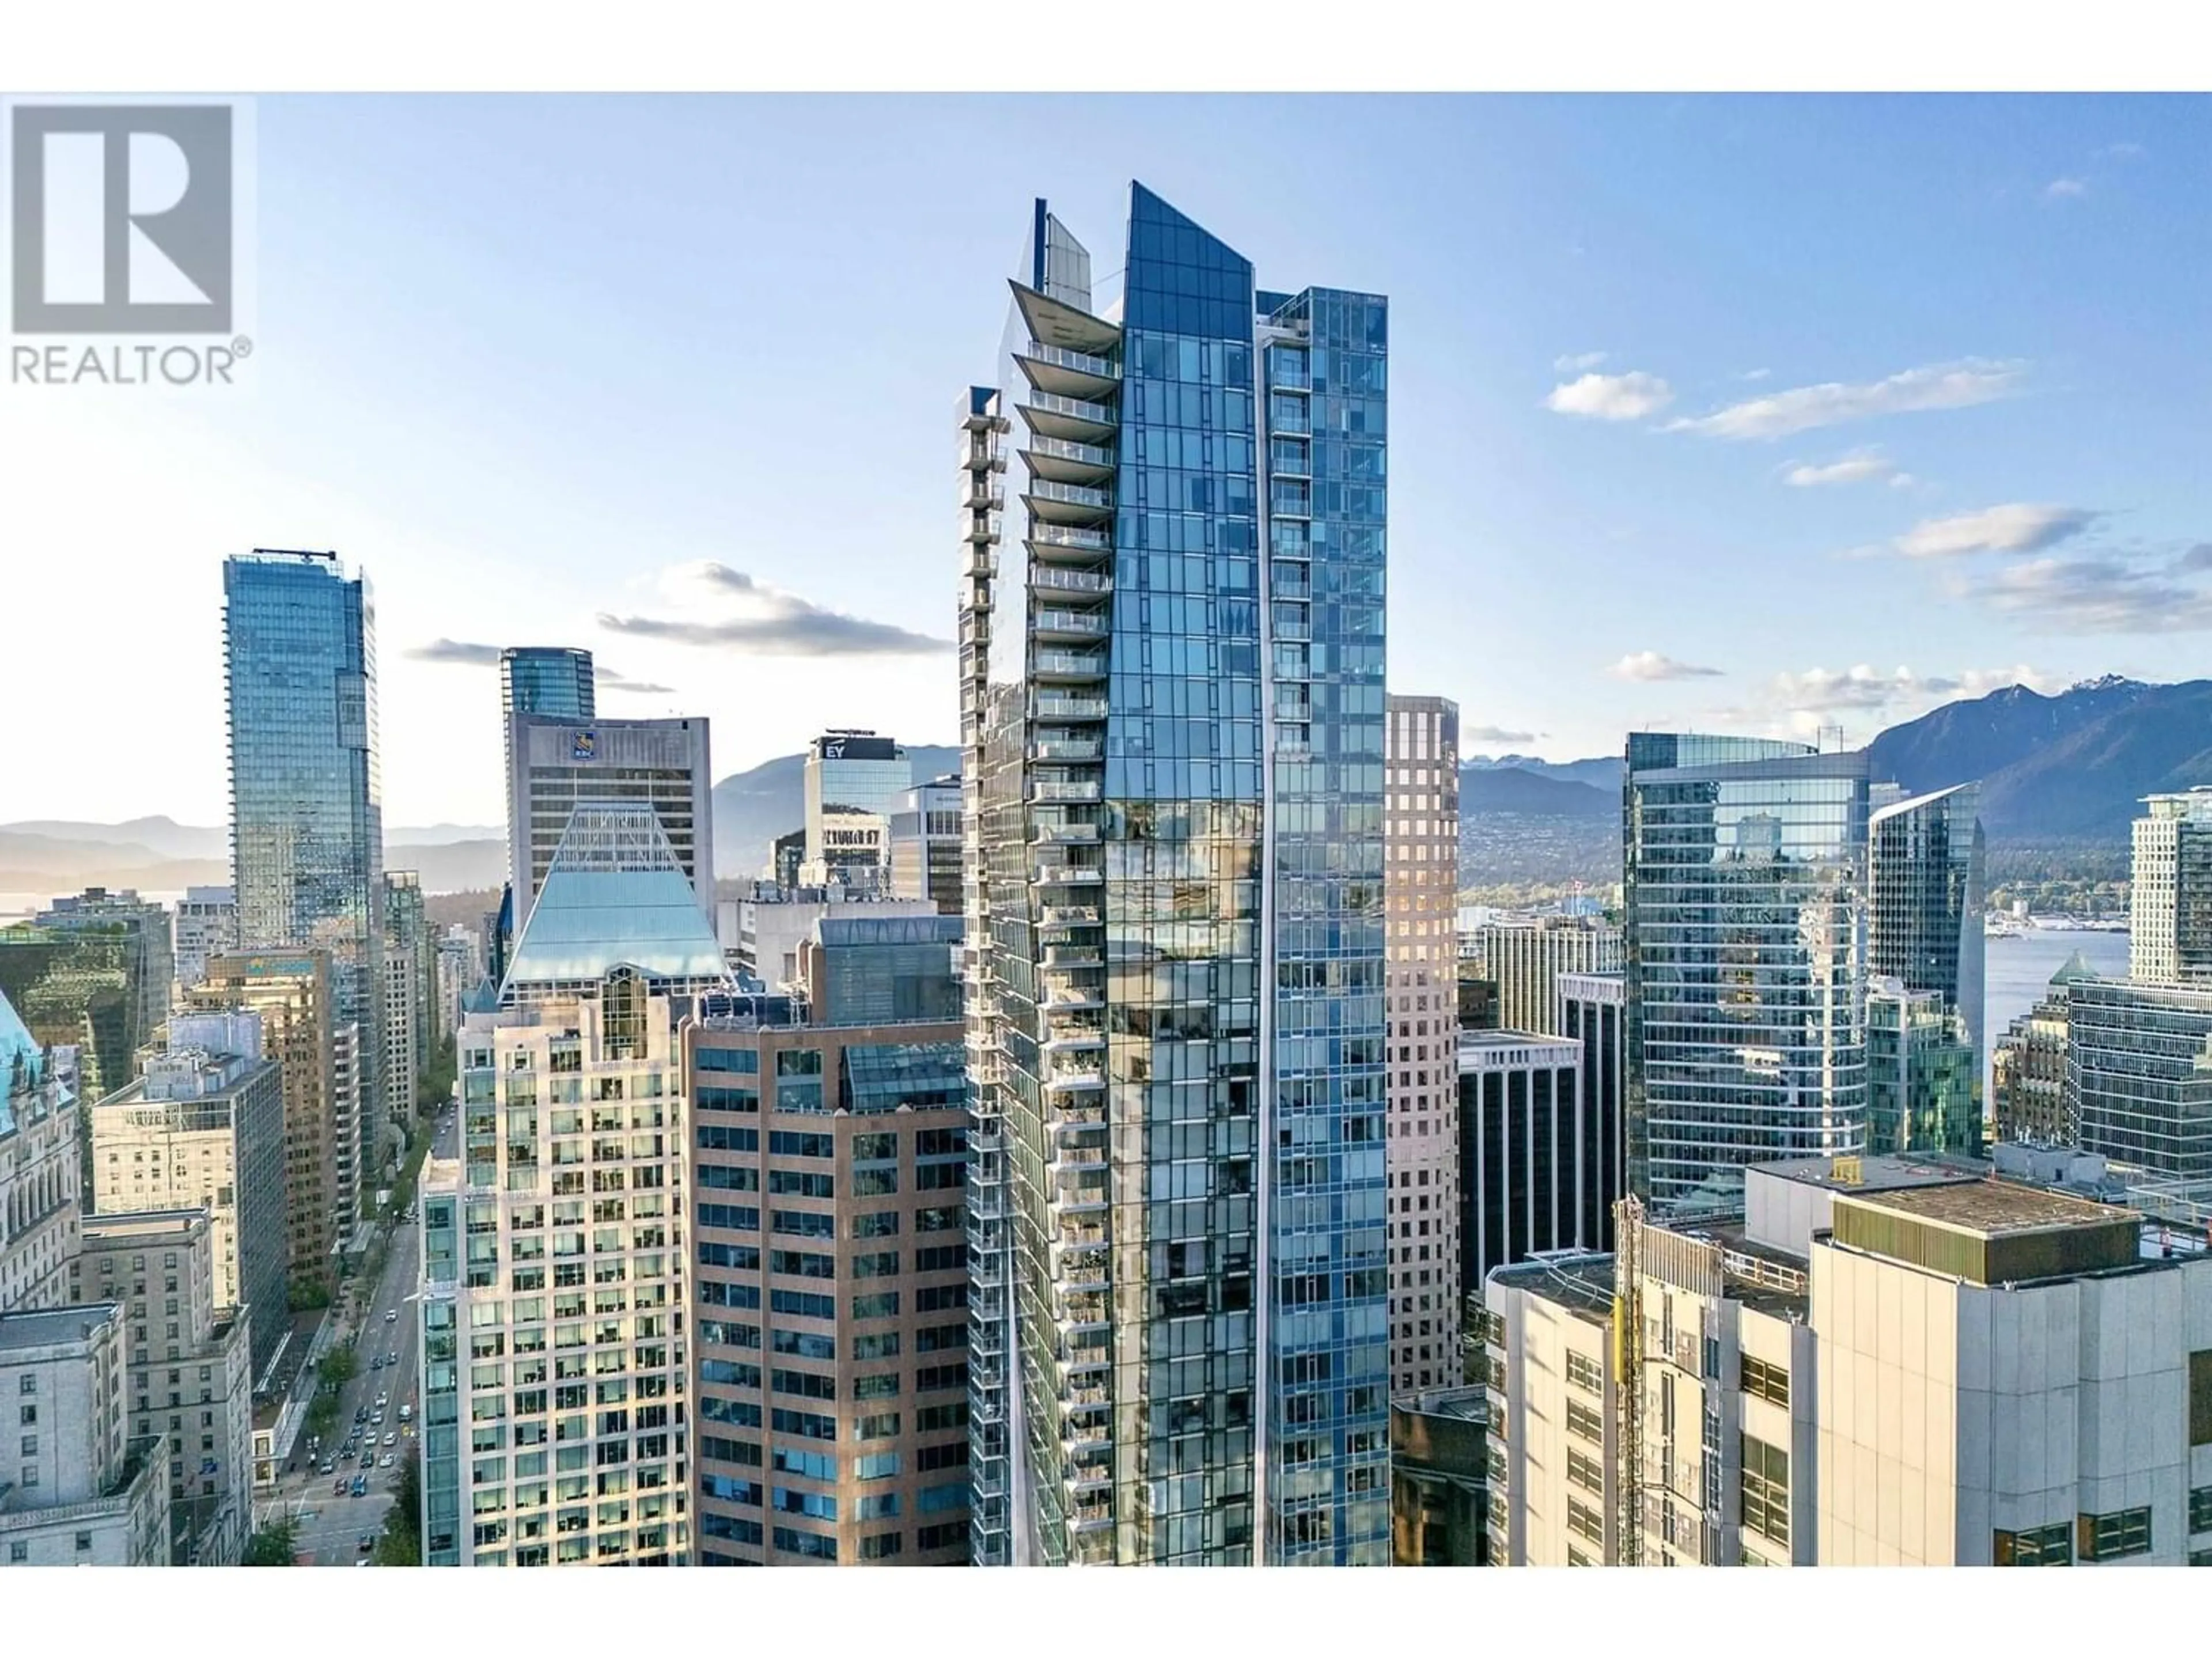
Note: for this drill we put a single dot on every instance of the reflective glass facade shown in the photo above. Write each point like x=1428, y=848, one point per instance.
x=1176, y=926
x=2135, y=1059
x=1744, y=879
x=1924, y=875
x=553, y=680
x=306, y=800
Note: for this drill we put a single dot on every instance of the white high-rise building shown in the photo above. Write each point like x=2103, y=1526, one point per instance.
x=556, y=1366
x=206, y=926
x=2170, y=894
x=1420, y=894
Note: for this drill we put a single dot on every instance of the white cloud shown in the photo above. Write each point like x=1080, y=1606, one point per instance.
x=2060, y=189
x=1801, y=704
x=2101, y=595
x=1496, y=734
x=1803, y=408
x=2016, y=527
x=1754, y=374
x=1862, y=466
x=2123, y=152
x=1650, y=665
x=1577, y=363
x=1627, y=396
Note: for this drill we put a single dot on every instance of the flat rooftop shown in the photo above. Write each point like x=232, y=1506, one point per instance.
x=1995, y=1209
x=1581, y=1284
x=51, y=1326
x=1883, y=1172
x=1483, y=1047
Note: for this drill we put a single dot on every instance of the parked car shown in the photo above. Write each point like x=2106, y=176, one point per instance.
x=330, y=1466
x=385, y=1462
x=391, y=1438
x=338, y=1487
x=360, y=1485
x=406, y=1412
x=390, y=1316
x=368, y=1460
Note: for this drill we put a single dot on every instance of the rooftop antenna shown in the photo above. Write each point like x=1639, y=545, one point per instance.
x=1831, y=740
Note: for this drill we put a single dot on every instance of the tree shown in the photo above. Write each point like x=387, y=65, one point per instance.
x=339, y=1366
x=401, y=1545
x=275, y=1546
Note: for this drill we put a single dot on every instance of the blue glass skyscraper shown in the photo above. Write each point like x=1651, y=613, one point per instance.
x=1172, y=705
x=558, y=682
x=306, y=801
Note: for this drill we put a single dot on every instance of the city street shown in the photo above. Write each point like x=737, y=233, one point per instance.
x=328, y=1528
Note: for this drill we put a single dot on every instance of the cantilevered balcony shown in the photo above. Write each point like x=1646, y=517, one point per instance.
x=1068, y=875
x=1068, y=504
x=1089, y=1268
x=1068, y=666
x=1058, y=957
x=1064, y=462
x=1051, y=543
x=1072, y=749
x=1052, y=368
x=1064, y=790
x=1051, y=706
x=1055, y=623
x=1076, y=420
x=1058, y=832
x=1062, y=994
x=1060, y=579
x=979, y=490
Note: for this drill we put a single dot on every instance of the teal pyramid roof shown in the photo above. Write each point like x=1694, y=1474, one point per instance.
x=614, y=896
x=2076, y=967
x=19, y=1052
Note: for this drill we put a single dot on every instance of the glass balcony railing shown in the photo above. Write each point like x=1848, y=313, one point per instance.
x=1081, y=362
x=1064, y=791
x=1062, y=535
x=1072, y=622
x=1071, y=709
x=1075, y=409
x=1083, y=665
x=1074, y=495
x=1071, y=582
x=1067, y=449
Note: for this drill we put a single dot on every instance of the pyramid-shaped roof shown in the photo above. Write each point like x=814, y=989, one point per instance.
x=2076, y=968
x=614, y=896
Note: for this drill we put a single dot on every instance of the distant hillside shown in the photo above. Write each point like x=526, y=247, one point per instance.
x=2071, y=767
x=751, y=809
x=1511, y=789
x=1599, y=771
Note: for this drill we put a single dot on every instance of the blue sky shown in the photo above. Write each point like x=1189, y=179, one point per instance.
x=532, y=362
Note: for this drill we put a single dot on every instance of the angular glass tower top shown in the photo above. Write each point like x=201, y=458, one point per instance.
x=614, y=898
x=1172, y=665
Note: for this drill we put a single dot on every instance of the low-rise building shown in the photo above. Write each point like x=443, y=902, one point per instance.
x=75, y=1488
x=204, y=1129
x=189, y=1381
x=1439, y=1479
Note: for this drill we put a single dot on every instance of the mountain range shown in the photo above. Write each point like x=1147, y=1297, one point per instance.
x=2055, y=771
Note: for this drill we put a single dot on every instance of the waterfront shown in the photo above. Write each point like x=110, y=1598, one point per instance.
x=2018, y=969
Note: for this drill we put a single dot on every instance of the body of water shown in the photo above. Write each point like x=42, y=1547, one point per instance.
x=2017, y=972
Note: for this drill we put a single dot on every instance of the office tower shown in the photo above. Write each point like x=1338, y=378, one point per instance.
x=1420, y=892
x=786, y=859
x=1524, y=960
x=93, y=973
x=854, y=782
x=188, y=1379
x=1745, y=863
x=1923, y=1074
x=1440, y=1478
x=306, y=797
x=1557, y=1489
x=772, y=927
x=82, y=1491
x=290, y=991
x=206, y=926
x=149, y=951
x=574, y=1131
x=41, y=1171
x=1172, y=715
x=554, y=681
x=2135, y=1073
x=351, y=1171
x=203, y=1129
x=410, y=980
x=1477, y=999
x=460, y=965
x=924, y=844
x=2170, y=896
x=2028, y=1095
x=1747, y=1369
x=1593, y=1011
x=558, y=763
x=831, y=1290
x=1534, y=1163
x=1926, y=895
